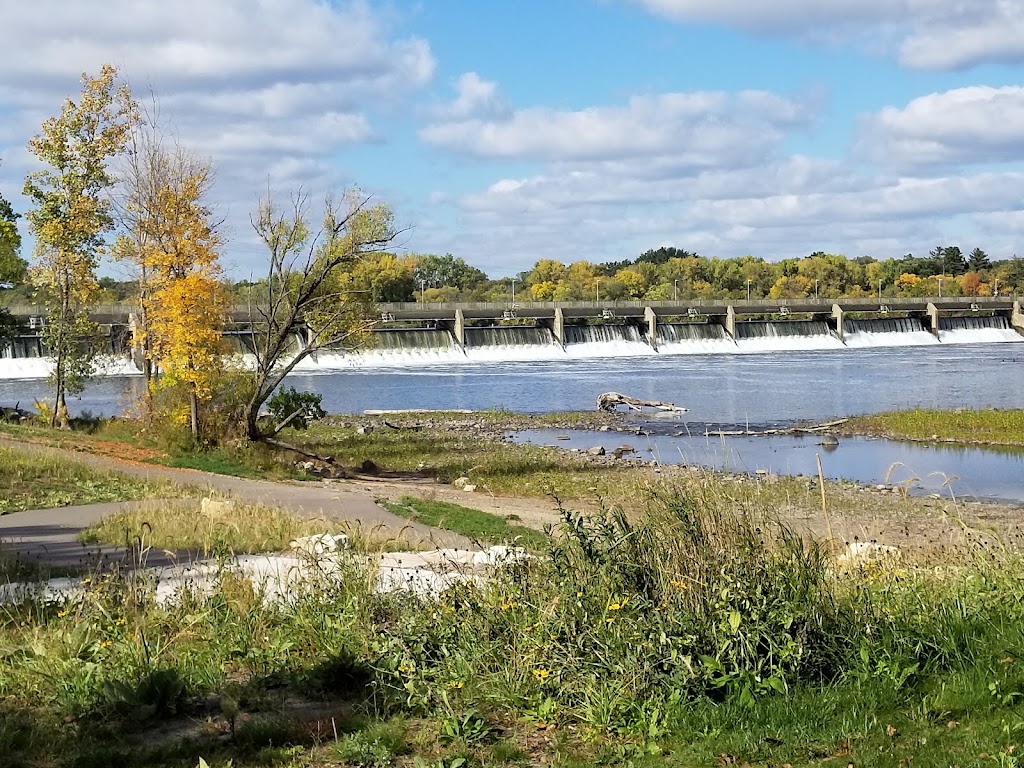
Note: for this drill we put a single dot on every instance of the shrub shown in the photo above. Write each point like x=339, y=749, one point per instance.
x=288, y=401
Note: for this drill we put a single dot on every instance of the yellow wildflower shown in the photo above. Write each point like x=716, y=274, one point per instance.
x=541, y=674
x=61, y=614
x=456, y=684
x=680, y=584
x=618, y=605
x=86, y=580
x=508, y=606
x=121, y=621
x=106, y=644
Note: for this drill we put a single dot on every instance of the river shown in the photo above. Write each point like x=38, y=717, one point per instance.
x=756, y=388
x=762, y=389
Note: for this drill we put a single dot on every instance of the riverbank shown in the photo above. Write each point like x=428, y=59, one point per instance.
x=989, y=426
x=687, y=616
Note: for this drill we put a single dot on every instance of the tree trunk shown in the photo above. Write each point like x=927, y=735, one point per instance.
x=193, y=407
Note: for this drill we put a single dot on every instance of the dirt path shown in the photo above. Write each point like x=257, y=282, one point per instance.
x=52, y=535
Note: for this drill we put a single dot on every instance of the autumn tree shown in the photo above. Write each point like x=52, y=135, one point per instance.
x=71, y=217
x=186, y=303
x=13, y=269
x=301, y=298
x=385, y=277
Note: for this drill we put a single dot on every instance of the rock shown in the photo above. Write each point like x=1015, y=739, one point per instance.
x=305, y=466
x=469, y=488
x=829, y=440
x=366, y=429
x=597, y=450
x=864, y=552
x=321, y=543
x=460, y=482
x=215, y=508
x=604, y=428
x=369, y=468
x=499, y=555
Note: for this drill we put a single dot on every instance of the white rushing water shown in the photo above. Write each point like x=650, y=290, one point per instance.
x=624, y=343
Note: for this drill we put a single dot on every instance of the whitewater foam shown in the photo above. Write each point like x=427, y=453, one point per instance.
x=41, y=367
x=426, y=357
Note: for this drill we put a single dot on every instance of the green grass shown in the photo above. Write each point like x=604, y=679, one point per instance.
x=39, y=481
x=497, y=467
x=472, y=523
x=179, y=525
x=701, y=634
x=992, y=426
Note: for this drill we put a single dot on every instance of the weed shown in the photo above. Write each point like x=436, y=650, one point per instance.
x=472, y=523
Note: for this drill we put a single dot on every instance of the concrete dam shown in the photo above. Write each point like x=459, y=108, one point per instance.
x=416, y=333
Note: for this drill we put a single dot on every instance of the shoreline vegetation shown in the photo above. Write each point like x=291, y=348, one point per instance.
x=674, y=616
x=990, y=426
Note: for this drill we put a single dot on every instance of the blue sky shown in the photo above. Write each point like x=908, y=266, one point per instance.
x=506, y=132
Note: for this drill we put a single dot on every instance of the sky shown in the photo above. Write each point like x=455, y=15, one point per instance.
x=504, y=132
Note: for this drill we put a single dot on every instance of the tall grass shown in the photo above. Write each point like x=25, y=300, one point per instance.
x=990, y=425
x=39, y=481
x=179, y=525
x=627, y=636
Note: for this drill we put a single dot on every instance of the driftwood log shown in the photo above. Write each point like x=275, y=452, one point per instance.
x=609, y=400
x=15, y=415
x=811, y=430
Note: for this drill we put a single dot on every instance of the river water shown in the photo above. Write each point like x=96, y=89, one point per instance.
x=757, y=386
x=759, y=389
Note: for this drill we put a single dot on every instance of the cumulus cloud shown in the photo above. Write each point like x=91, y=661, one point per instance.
x=624, y=190
x=979, y=124
x=696, y=129
x=266, y=89
x=926, y=34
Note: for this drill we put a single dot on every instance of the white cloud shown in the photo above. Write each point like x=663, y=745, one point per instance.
x=266, y=89
x=978, y=124
x=697, y=129
x=476, y=98
x=928, y=34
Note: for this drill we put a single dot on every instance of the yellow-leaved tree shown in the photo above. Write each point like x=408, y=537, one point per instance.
x=187, y=304
x=70, y=219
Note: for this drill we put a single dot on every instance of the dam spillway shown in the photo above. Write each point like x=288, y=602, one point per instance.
x=423, y=335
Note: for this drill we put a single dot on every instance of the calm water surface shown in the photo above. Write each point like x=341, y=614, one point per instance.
x=953, y=472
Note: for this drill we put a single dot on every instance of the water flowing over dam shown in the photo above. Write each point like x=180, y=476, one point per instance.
x=429, y=335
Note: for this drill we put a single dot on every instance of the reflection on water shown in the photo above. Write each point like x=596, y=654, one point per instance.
x=963, y=472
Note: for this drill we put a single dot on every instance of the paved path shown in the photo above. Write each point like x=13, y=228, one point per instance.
x=51, y=535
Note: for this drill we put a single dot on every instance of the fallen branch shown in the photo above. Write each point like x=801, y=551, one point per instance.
x=609, y=400
x=787, y=431
x=295, y=449
x=14, y=415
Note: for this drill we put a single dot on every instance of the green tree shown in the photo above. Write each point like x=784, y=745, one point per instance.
x=978, y=260
x=439, y=271
x=71, y=217
x=301, y=297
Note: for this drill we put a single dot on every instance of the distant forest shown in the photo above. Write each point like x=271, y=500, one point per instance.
x=659, y=274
